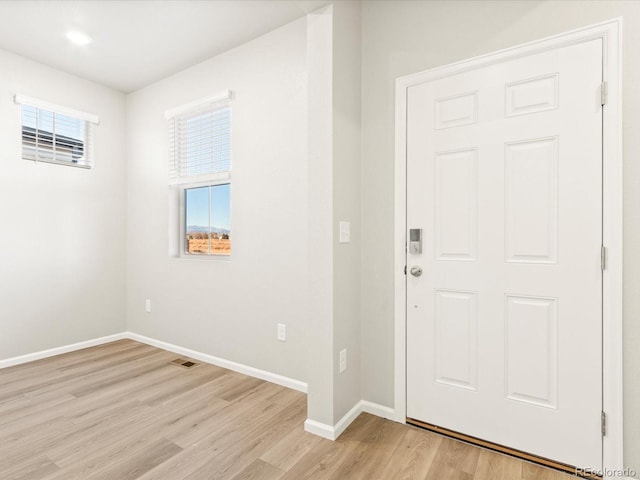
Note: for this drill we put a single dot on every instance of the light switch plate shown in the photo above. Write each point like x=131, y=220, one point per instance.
x=345, y=232
x=282, y=332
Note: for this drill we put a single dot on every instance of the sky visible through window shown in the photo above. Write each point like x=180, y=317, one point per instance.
x=206, y=212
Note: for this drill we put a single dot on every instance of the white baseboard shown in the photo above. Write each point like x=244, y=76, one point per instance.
x=332, y=432
x=347, y=419
x=203, y=357
x=221, y=362
x=379, y=410
x=52, y=352
x=321, y=429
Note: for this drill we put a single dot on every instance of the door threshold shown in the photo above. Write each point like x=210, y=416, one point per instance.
x=545, y=462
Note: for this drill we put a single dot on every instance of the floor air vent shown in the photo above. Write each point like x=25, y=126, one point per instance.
x=183, y=363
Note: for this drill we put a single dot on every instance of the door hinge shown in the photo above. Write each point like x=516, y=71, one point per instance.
x=603, y=423
x=405, y=269
x=603, y=93
x=603, y=257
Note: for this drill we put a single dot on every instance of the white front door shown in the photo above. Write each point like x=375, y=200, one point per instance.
x=504, y=326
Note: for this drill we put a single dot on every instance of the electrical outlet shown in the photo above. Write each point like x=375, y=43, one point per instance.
x=343, y=360
x=147, y=306
x=282, y=332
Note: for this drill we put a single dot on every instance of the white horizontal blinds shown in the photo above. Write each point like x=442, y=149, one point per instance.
x=200, y=142
x=51, y=136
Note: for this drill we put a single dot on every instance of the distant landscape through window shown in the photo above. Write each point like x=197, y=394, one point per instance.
x=207, y=220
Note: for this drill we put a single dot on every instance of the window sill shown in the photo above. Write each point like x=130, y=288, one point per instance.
x=59, y=162
x=222, y=258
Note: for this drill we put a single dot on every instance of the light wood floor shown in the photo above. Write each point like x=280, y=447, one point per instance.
x=122, y=412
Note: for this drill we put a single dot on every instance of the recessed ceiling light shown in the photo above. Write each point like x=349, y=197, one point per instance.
x=78, y=38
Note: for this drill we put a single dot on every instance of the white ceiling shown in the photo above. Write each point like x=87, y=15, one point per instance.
x=136, y=43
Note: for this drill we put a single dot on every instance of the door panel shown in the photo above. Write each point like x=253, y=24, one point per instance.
x=456, y=205
x=456, y=338
x=531, y=326
x=504, y=176
x=532, y=226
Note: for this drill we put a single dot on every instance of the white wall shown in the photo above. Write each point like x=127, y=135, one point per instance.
x=403, y=37
x=229, y=309
x=62, y=237
x=346, y=203
x=333, y=70
x=320, y=329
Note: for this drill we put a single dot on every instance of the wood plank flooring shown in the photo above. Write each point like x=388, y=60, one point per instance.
x=121, y=411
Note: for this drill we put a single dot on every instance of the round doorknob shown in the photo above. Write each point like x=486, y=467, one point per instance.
x=416, y=271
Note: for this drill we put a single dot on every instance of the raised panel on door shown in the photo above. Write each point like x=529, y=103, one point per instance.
x=531, y=186
x=456, y=185
x=531, y=345
x=532, y=95
x=456, y=346
x=457, y=110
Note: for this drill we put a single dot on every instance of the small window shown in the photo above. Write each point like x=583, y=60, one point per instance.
x=207, y=223
x=56, y=134
x=200, y=167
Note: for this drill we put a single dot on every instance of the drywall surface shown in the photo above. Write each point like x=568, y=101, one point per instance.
x=229, y=307
x=346, y=204
x=333, y=69
x=320, y=329
x=403, y=37
x=62, y=243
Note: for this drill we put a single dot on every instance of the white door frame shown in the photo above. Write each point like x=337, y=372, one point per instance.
x=611, y=34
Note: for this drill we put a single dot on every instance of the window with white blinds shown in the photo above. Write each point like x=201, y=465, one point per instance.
x=200, y=140
x=56, y=134
x=200, y=176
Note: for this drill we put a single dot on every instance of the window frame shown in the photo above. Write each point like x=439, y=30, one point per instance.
x=178, y=185
x=89, y=122
x=182, y=188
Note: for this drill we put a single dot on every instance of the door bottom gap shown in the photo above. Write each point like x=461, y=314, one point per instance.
x=545, y=462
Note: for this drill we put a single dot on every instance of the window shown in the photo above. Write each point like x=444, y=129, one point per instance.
x=200, y=168
x=56, y=134
x=207, y=220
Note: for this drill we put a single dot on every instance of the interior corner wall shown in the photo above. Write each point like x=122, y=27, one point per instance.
x=62, y=247
x=403, y=37
x=320, y=358
x=229, y=307
x=333, y=68
x=346, y=204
